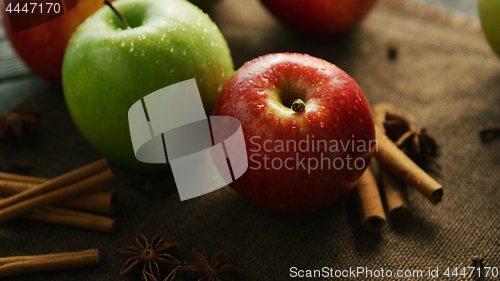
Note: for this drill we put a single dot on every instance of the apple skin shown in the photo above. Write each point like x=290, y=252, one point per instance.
x=106, y=69
x=336, y=109
x=42, y=47
x=489, y=14
x=320, y=17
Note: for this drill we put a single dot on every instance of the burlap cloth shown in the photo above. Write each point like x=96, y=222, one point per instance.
x=445, y=75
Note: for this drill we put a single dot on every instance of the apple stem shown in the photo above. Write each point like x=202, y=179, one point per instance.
x=122, y=19
x=298, y=105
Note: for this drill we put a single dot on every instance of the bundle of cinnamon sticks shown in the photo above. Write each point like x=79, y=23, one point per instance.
x=397, y=170
x=31, y=197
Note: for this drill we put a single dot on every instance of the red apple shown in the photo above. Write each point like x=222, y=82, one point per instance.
x=320, y=17
x=42, y=47
x=301, y=159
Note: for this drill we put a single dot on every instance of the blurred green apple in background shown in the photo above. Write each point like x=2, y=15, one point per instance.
x=107, y=68
x=489, y=13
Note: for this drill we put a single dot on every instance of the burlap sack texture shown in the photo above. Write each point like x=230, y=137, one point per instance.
x=445, y=75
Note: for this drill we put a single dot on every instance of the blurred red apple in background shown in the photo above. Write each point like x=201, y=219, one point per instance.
x=308, y=128
x=320, y=17
x=42, y=47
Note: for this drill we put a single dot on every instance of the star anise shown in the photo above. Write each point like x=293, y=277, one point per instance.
x=151, y=258
x=17, y=121
x=417, y=140
x=213, y=271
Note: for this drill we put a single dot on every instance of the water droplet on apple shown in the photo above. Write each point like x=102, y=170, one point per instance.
x=260, y=106
x=172, y=49
x=321, y=124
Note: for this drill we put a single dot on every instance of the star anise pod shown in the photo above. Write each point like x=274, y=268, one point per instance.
x=151, y=258
x=17, y=121
x=213, y=271
x=417, y=140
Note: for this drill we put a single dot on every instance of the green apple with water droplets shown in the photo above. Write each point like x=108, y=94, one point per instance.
x=107, y=67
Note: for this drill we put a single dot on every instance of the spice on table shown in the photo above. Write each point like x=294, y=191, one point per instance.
x=10, y=266
x=153, y=258
x=18, y=121
x=417, y=140
x=56, y=190
x=101, y=202
x=210, y=271
x=477, y=263
x=395, y=190
x=395, y=160
x=369, y=203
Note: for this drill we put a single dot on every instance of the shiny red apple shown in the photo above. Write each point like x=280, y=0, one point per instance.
x=42, y=47
x=320, y=17
x=308, y=128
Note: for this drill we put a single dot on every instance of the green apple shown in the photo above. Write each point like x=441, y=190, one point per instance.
x=489, y=13
x=108, y=68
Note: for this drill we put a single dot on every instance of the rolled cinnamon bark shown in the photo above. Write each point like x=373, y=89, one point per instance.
x=69, y=217
x=395, y=190
x=30, y=264
x=20, y=178
x=369, y=203
x=72, y=177
x=57, y=195
x=101, y=202
x=395, y=160
x=396, y=195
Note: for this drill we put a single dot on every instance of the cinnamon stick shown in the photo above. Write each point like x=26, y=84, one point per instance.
x=6, y=260
x=57, y=195
x=63, y=180
x=11, y=266
x=101, y=202
x=396, y=161
x=395, y=191
x=72, y=218
x=396, y=195
x=369, y=202
x=20, y=178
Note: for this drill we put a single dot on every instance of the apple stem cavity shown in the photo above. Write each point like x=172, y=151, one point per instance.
x=122, y=19
x=298, y=105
